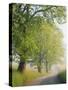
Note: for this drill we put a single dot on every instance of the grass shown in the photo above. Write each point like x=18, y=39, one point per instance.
x=62, y=77
x=21, y=79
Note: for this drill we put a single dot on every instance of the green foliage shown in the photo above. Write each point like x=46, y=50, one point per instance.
x=48, y=43
x=34, y=33
x=62, y=77
x=57, y=13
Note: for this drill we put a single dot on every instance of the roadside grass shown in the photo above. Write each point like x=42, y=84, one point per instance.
x=62, y=77
x=21, y=79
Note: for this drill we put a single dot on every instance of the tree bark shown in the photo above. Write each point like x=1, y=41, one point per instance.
x=39, y=68
x=46, y=66
x=40, y=62
x=21, y=66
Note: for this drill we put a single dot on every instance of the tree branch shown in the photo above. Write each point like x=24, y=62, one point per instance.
x=41, y=10
x=24, y=9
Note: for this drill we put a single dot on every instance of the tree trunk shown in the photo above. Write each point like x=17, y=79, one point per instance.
x=40, y=62
x=46, y=66
x=39, y=66
x=39, y=69
x=21, y=66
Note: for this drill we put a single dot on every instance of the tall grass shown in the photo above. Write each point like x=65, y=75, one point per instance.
x=21, y=79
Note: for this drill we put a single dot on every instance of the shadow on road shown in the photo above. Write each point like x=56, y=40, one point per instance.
x=50, y=80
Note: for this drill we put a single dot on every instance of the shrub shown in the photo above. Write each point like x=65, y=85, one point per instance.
x=62, y=77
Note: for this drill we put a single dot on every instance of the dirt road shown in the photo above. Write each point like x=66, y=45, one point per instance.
x=45, y=80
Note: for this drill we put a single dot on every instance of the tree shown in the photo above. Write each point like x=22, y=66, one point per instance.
x=48, y=44
x=52, y=45
x=24, y=16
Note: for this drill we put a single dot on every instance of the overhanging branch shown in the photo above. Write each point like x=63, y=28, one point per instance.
x=41, y=10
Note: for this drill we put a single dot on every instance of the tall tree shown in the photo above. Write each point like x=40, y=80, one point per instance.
x=46, y=47
x=24, y=16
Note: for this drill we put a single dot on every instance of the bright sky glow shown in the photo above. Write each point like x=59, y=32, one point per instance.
x=63, y=28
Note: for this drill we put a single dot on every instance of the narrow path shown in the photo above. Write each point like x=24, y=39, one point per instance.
x=50, y=80
x=46, y=80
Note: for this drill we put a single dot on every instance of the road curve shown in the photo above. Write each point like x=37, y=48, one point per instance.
x=45, y=81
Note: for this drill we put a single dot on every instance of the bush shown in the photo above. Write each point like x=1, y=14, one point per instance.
x=62, y=77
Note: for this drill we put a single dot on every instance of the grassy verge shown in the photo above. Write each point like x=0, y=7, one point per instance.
x=19, y=79
x=62, y=77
